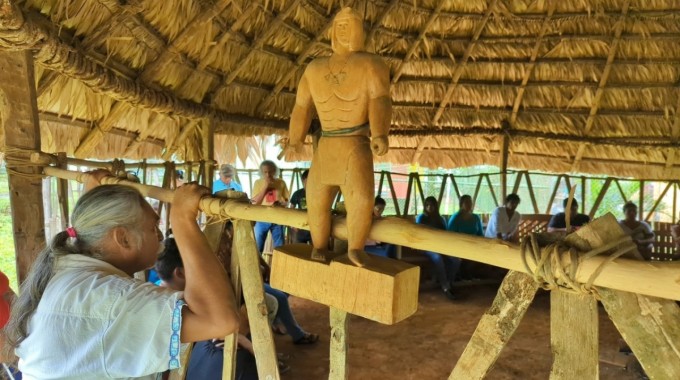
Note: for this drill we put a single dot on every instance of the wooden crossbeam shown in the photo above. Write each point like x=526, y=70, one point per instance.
x=618, y=29
x=600, y=197
x=529, y=69
x=658, y=201
x=461, y=63
x=393, y=192
x=558, y=181
x=95, y=136
x=179, y=139
x=532, y=195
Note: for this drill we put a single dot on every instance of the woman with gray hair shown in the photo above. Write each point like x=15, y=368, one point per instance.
x=81, y=314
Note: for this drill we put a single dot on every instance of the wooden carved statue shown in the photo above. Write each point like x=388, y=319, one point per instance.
x=351, y=93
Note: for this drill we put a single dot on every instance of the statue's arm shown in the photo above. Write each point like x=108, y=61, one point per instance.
x=380, y=103
x=301, y=118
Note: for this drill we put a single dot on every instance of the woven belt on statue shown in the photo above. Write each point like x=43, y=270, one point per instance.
x=345, y=131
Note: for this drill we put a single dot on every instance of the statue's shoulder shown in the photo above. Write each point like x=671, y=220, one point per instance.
x=370, y=59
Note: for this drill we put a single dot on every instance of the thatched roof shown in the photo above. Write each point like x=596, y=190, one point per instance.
x=584, y=85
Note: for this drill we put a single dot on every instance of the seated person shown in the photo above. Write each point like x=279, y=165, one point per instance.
x=504, y=220
x=91, y=319
x=285, y=322
x=464, y=221
x=375, y=247
x=639, y=231
x=558, y=222
x=207, y=356
x=226, y=181
x=299, y=201
x=446, y=267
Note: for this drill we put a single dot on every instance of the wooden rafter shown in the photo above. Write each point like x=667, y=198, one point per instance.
x=179, y=140
x=416, y=42
x=171, y=50
x=675, y=133
x=456, y=76
x=529, y=69
x=228, y=34
x=20, y=32
x=461, y=64
x=258, y=42
x=143, y=135
x=618, y=29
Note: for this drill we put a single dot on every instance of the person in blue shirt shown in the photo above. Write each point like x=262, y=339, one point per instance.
x=465, y=221
x=226, y=181
x=446, y=267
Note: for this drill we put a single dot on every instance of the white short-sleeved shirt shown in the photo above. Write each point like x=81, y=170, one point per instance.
x=95, y=322
x=499, y=223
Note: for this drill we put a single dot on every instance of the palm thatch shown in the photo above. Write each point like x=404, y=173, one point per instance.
x=577, y=85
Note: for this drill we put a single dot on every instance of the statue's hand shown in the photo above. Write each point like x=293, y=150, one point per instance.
x=379, y=145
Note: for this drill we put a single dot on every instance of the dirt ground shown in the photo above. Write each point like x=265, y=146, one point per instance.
x=428, y=344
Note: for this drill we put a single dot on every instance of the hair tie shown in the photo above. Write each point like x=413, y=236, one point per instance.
x=71, y=232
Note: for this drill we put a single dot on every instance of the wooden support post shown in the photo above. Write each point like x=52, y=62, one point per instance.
x=505, y=153
x=479, y=185
x=393, y=192
x=600, y=197
x=574, y=336
x=455, y=187
x=253, y=292
x=208, y=150
x=338, y=355
x=650, y=325
x=583, y=195
x=532, y=195
x=442, y=189
x=641, y=205
x=493, y=193
x=518, y=181
x=22, y=136
x=381, y=182
x=553, y=194
x=420, y=189
x=62, y=192
x=658, y=201
x=496, y=327
x=409, y=191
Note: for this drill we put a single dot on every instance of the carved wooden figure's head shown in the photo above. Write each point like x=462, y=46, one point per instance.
x=348, y=32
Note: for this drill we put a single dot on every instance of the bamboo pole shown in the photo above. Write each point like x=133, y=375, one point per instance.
x=658, y=279
x=253, y=292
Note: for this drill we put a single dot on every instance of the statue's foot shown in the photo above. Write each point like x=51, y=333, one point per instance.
x=358, y=257
x=319, y=255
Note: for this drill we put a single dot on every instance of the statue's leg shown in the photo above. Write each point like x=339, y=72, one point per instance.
x=319, y=201
x=359, y=201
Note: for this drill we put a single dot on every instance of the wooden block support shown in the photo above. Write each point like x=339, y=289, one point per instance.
x=574, y=336
x=338, y=354
x=384, y=291
x=496, y=327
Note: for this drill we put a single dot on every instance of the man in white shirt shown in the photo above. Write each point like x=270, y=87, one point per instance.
x=504, y=220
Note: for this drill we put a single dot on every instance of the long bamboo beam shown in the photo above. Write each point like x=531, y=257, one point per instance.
x=658, y=279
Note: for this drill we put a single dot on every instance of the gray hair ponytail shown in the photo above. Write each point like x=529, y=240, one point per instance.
x=95, y=214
